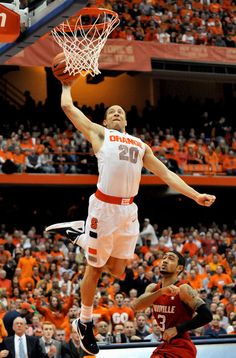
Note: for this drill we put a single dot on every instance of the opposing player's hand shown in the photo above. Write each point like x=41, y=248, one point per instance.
x=169, y=334
x=171, y=290
x=205, y=199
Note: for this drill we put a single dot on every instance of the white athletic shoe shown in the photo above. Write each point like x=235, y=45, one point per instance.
x=71, y=230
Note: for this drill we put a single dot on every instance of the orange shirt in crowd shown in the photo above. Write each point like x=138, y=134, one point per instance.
x=41, y=256
x=191, y=247
x=195, y=283
x=121, y=315
x=18, y=159
x=101, y=314
x=219, y=281
x=57, y=254
x=58, y=318
x=229, y=163
x=212, y=159
x=5, y=283
x=3, y=331
x=26, y=265
x=5, y=255
x=215, y=8
x=24, y=281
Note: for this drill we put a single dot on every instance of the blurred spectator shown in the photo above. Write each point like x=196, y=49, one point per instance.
x=148, y=233
x=47, y=162
x=26, y=264
x=100, y=313
x=119, y=312
x=22, y=342
x=102, y=332
x=3, y=331
x=229, y=163
x=118, y=334
x=55, y=312
x=60, y=335
x=71, y=349
x=25, y=311
x=33, y=163
x=155, y=336
x=219, y=279
x=4, y=282
x=232, y=329
x=129, y=332
x=49, y=345
x=215, y=330
x=142, y=281
x=142, y=329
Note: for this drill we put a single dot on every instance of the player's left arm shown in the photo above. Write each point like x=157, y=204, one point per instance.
x=203, y=314
x=155, y=166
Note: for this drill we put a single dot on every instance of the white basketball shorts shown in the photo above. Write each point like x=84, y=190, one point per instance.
x=111, y=231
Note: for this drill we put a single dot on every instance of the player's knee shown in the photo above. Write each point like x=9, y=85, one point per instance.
x=116, y=271
x=93, y=272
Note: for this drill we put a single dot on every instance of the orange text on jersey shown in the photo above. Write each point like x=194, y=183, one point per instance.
x=116, y=138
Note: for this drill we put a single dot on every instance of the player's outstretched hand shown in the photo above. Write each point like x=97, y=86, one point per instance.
x=205, y=199
x=171, y=290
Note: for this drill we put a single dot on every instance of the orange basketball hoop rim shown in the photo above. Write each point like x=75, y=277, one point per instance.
x=110, y=18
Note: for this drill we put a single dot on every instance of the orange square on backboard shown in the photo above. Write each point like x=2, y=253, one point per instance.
x=9, y=25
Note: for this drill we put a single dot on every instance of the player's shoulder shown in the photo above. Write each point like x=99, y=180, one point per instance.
x=187, y=291
x=182, y=282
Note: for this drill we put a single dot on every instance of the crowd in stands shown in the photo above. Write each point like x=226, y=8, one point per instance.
x=199, y=22
x=40, y=278
x=38, y=146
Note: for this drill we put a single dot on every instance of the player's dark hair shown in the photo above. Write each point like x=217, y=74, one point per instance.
x=181, y=259
x=105, y=114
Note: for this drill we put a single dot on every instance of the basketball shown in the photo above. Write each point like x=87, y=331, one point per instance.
x=58, y=69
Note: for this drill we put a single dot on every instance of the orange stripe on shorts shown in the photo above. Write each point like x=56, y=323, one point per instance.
x=92, y=251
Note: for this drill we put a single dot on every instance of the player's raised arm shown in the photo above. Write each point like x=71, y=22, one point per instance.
x=150, y=295
x=190, y=297
x=154, y=165
x=91, y=131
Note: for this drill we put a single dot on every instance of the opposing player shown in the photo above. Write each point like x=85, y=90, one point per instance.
x=112, y=225
x=174, y=305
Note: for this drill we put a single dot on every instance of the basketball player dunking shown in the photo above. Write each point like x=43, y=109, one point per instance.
x=173, y=304
x=112, y=226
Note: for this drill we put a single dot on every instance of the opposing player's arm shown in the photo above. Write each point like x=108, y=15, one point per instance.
x=190, y=297
x=150, y=296
x=155, y=166
x=91, y=130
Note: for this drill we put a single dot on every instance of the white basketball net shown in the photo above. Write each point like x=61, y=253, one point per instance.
x=82, y=45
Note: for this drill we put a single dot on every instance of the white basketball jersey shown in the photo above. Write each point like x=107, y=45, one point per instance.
x=120, y=162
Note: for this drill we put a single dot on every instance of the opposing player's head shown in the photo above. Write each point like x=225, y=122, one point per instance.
x=115, y=118
x=172, y=263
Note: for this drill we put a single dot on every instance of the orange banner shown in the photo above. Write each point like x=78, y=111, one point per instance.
x=124, y=55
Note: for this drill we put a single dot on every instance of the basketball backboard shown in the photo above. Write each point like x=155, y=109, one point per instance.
x=37, y=17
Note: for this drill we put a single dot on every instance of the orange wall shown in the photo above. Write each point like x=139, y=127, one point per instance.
x=29, y=78
x=123, y=89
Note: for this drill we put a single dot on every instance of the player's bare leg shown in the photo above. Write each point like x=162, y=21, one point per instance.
x=84, y=325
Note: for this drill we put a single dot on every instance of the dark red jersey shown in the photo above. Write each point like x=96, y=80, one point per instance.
x=170, y=311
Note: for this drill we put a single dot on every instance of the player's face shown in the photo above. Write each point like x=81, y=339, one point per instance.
x=115, y=118
x=169, y=263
